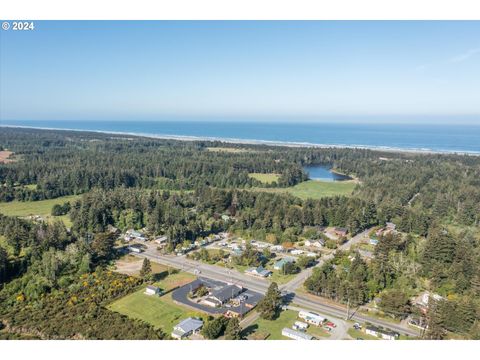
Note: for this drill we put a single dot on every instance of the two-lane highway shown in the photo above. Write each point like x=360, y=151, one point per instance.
x=261, y=285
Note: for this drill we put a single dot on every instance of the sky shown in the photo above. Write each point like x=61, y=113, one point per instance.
x=162, y=70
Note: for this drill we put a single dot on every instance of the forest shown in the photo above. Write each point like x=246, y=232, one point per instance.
x=181, y=189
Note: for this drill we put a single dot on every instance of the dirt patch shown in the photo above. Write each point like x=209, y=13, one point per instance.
x=5, y=157
x=128, y=265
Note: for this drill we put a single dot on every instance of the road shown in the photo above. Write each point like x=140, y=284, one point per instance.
x=261, y=285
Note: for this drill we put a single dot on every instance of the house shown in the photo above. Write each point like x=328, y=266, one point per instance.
x=384, y=334
x=311, y=254
x=340, y=231
x=281, y=263
x=225, y=217
x=258, y=271
x=186, y=328
x=135, y=248
x=373, y=241
x=161, y=240
x=311, y=317
x=296, y=335
x=225, y=293
x=152, y=290
x=296, y=252
x=277, y=248
x=237, y=252
x=314, y=243
x=300, y=325
x=134, y=235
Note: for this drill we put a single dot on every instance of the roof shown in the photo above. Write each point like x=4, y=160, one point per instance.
x=283, y=261
x=188, y=325
x=297, y=334
x=259, y=270
x=381, y=331
x=226, y=292
x=151, y=287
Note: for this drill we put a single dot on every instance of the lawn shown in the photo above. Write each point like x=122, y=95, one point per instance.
x=314, y=189
x=159, y=311
x=274, y=327
x=265, y=178
x=286, y=319
x=42, y=208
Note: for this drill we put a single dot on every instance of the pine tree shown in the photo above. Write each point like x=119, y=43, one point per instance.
x=233, y=330
x=146, y=269
x=269, y=306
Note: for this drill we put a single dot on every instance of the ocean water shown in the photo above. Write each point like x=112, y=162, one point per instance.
x=438, y=138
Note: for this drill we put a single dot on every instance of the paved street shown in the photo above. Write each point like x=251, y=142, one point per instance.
x=332, y=311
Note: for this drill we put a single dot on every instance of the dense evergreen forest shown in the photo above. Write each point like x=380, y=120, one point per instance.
x=182, y=189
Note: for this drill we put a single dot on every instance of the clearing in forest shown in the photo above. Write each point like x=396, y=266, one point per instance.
x=265, y=178
x=315, y=189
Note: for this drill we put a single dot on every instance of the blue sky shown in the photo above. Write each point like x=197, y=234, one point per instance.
x=241, y=70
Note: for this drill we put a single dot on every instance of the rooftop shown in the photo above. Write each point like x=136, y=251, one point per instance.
x=188, y=325
x=227, y=292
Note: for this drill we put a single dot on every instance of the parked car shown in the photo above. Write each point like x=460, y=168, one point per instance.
x=330, y=324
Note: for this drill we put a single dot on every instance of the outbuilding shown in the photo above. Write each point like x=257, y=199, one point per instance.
x=296, y=335
x=152, y=290
x=186, y=328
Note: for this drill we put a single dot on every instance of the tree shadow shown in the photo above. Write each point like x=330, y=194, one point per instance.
x=249, y=330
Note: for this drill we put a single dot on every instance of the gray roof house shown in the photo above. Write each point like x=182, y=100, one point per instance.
x=226, y=293
x=186, y=328
x=258, y=271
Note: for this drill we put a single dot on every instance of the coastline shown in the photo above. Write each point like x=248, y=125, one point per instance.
x=258, y=142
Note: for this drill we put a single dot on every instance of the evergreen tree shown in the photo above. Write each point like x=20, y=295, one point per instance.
x=233, y=330
x=146, y=270
x=269, y=306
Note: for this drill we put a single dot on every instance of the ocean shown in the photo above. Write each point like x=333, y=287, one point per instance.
x=412, y=137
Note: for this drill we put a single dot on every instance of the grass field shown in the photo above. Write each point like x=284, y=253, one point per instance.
x=42, y=208
x=159, y=311
x=314, y=189
x=286, y=319
x=265, y=178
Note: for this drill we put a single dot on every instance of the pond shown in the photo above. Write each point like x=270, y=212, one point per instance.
x=324, y=173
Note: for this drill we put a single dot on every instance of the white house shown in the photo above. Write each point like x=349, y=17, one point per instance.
x=161, y=240
x=152, y=290
x=300, y=325
x=277, y=248
x=296, y=335
x=296, y=252
x=384, y=334
x=311, y=254
x=311, y=317
x=186, y=328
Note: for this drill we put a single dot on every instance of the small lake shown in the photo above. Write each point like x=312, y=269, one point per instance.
x=324, y=173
